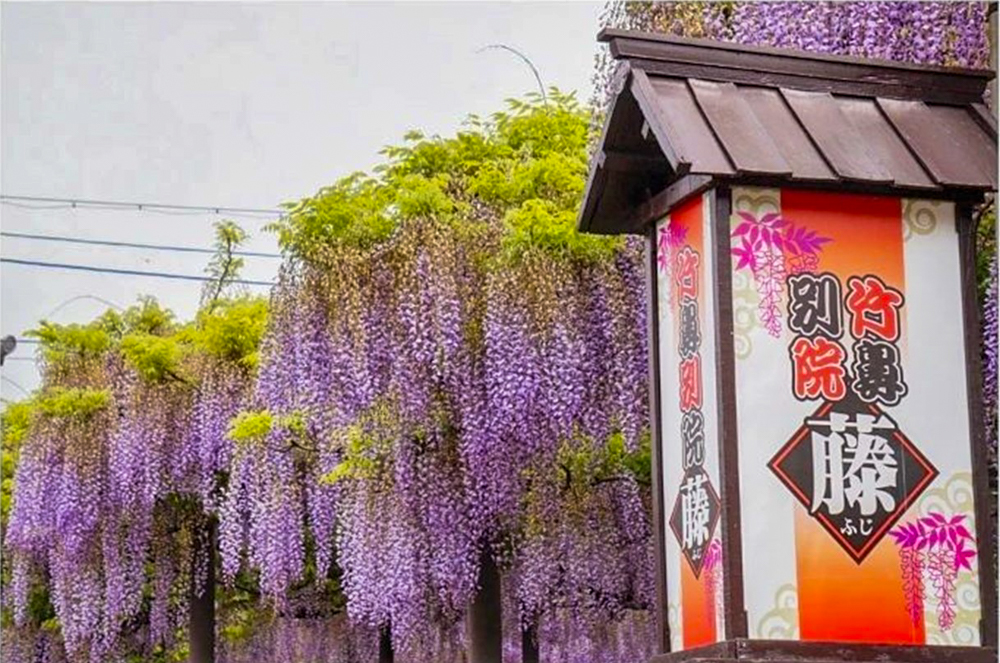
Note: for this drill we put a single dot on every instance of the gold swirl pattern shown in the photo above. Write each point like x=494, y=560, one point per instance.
x=782, y=621
x=675, y=628
x=663, y=303
x=745, y=300
x=919, y=217
x=756, y=200
x=953, y=498
x=663, y=283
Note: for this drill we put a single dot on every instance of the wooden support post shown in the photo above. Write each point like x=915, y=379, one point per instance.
x=529, y=645
x=985, y=537
x=385, y=653
x=731, y=523
x=201, y=623
x=485, y=635
x=659, y=519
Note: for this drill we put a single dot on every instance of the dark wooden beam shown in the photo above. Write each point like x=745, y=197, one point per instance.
x=797, y=651
x=985, y=538
x=959, y=194
x=659, y=205
x=711, y=60
x=645, y=97
x=656, y=438
x=729, y=462
x=630, y=162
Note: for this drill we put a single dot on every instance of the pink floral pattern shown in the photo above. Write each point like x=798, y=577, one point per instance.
x=772, y=247
x=713, y=577
x=669, y=239
x=939, y=548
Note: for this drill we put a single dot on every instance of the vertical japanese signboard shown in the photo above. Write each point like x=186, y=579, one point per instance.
x=689, y=429
x=854, y=452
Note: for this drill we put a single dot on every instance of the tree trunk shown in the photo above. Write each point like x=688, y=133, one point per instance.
x=385, y=653
x=485, y=636
x=201, y=625
x=529, y=645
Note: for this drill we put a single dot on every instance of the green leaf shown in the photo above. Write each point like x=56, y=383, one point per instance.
x=252, y=426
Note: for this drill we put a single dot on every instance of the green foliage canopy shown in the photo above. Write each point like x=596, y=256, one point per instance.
x=525, y=166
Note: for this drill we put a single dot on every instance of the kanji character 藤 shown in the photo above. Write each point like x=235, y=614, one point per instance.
x=853, y=466
x=695, y=512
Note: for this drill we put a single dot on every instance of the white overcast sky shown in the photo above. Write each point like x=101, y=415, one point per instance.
x=230, y=104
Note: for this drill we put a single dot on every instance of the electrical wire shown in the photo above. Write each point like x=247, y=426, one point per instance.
x=126, y=272
x=132, y=245
x=23, y=206
x=15, y=384
x=48, y=202
x=69, y=301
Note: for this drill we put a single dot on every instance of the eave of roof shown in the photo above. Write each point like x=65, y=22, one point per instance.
x=783, y=118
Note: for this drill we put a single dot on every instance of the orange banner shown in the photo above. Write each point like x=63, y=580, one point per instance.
x=838, y=598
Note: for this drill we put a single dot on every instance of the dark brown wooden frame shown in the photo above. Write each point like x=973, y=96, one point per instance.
x=656, y=439
x=729, y=467
x=793, y=651
x=736, y=646
x=965, y=224
x=762, y=65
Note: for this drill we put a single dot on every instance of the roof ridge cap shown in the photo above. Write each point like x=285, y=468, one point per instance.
x=609, y=35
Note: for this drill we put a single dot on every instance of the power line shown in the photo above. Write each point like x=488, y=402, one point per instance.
x=47, y=202
x=9, y=381
x=69, y=301
x=127, y=272
x=131, y=245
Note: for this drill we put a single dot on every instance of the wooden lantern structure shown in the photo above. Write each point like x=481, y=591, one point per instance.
x=820, y=488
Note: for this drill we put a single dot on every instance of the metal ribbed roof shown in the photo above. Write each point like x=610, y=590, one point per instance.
x=708, y=111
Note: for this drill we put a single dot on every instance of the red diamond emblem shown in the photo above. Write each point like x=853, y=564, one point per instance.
x=695, y=515
x=854, y=470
